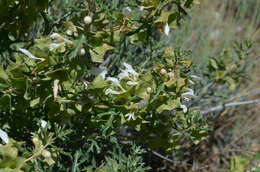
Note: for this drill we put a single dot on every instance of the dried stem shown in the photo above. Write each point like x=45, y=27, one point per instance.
x=232, y=104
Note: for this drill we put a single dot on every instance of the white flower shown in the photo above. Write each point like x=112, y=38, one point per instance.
x=43, y=123
x=127, y=71
x=55, y=36
x=131, y=116
x=132, y=83
x=191, y=82
x=54, y=46
x=28, y=54
x=4, y=136
x=114, y=81
x=190, y=93
x=184, y=108
x=141, y=8
x=123, y=75
x=103, y=73
x=110, y=91
x=195, y=77
x=166, y=29
x=59, y=37
x=86, y=83
x=186, y=98
x=130, y=69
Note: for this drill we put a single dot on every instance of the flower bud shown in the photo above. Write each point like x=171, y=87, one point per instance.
x=76, y=34
x=87, y=20
x=82, y=52
x=171, y=75
x=149, y=89
x=163, y=71
x=46, y=154
x=36, y=141
x=69, y=32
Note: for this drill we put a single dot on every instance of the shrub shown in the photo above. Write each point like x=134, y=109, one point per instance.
x=77, y=76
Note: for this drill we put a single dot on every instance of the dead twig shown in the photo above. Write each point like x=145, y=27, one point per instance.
x=232, y=104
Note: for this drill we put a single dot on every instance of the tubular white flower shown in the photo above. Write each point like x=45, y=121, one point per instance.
x=191, y=82
x=184, y=108
x=55, y=36
x=4, y=136
x=186, y=98
x=141, y=8
x=127, y=71
x=43, y=123
x=195, y=77
x=86, y=83
x=54, y=46
x=114, y=81
x=166, y=29
x=130, y=116
x=130, y=69
x=123, y=75
x=110, y=91
x=58, y=36
x=28, y=54
x=132, y=83
x=103, y=73
x=190, y=93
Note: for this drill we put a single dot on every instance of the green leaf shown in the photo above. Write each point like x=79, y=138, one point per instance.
x=34, y=102
x=3, y=74
x=213, y=64
x=60, y=74
x=71, y=112
x=99, y=82
x=239, y=164
x=98, y=53
x=164, y=17
x=5, y=102
x=173, y=18
x=170, y=105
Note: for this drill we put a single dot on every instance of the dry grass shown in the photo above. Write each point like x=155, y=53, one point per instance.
x=215, y=26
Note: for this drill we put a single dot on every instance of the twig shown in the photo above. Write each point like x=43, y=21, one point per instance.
x=167, y=159
x=223, y=106
x=163, y=157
